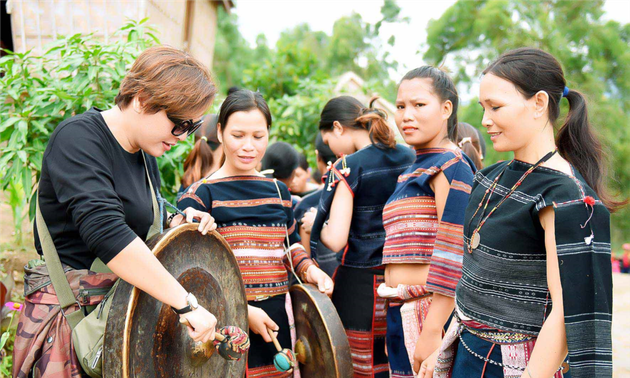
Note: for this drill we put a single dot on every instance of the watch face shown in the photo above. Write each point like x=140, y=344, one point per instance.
x=192, y=301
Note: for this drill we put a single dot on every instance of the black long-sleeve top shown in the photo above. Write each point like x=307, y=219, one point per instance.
x=94, y=195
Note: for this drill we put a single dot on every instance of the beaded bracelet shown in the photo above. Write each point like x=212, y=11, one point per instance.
x=170, y=218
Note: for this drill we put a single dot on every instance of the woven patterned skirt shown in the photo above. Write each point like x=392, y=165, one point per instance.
x=363, y=314
x=404, y=325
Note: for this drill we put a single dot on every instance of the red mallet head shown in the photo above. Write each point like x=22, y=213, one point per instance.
x=234, y=345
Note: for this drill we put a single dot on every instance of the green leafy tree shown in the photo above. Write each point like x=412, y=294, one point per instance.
x=296, y=117
x=38, y=92
x=297, y=76
x=594, y=55
x=283, y=70
x=356, y=46
x=348, y=43
x=231, y=51
x=304, y=54
x=315, y=42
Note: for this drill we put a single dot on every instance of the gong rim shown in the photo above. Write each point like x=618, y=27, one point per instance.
x=336, y=334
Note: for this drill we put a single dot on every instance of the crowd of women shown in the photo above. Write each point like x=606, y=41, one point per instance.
x=437, y=267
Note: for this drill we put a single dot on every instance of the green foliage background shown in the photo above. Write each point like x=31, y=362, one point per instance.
x=297, y=76
x=40, y=91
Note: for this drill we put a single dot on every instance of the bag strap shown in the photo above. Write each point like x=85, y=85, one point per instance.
x=55, y=270
x=156, y=227
x=287, y=251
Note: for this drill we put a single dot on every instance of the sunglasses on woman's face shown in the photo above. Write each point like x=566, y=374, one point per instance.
x=182, y=127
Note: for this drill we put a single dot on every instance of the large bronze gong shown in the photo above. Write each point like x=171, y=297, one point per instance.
x=322, y=348
x=143, y=337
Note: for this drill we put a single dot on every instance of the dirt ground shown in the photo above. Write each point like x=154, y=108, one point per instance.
x=13, y=258
x=621, y=325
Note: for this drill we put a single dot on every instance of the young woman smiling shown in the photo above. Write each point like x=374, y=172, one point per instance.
x=254, y=215
x=536, y=281
x=423, y=220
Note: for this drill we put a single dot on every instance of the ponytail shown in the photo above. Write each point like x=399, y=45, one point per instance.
x=198, y=163
x=349, y=112
x=579, y=146
x=375, y=122
x=575, y=140
x=468, y=141
x=466, y=145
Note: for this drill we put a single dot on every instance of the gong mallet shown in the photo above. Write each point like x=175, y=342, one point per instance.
x=284, y=360
x=231, y=342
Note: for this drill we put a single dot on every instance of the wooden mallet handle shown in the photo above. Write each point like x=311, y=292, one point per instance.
x=274, y=339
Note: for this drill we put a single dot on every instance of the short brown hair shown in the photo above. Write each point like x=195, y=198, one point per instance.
x=168, y=79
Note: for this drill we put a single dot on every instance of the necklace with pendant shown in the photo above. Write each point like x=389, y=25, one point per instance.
x=475, y=240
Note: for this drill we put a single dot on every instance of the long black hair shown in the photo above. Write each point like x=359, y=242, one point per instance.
x=283, y=158
x=444, y=88
x=531, y=71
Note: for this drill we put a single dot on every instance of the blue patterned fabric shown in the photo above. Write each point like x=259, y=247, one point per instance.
x=371, y=175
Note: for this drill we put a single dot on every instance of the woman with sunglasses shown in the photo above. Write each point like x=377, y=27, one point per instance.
x=95, y=195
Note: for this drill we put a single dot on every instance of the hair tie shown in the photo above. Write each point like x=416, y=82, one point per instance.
x=376, y=111
x=464, y=141
x=565, y=92
x=204, y=138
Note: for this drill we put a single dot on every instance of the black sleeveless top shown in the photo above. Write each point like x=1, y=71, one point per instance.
x=504, y=280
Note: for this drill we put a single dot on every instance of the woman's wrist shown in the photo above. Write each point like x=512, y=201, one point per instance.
x=174, y=217
x=308, y=272
x=178, y=299
x=305, y=275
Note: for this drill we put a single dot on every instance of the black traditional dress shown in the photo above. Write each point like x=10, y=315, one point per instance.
x=254, y=220
x=503, y=295
x=370, y=174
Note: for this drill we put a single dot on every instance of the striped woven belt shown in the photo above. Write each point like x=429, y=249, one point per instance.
x=500, y=337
